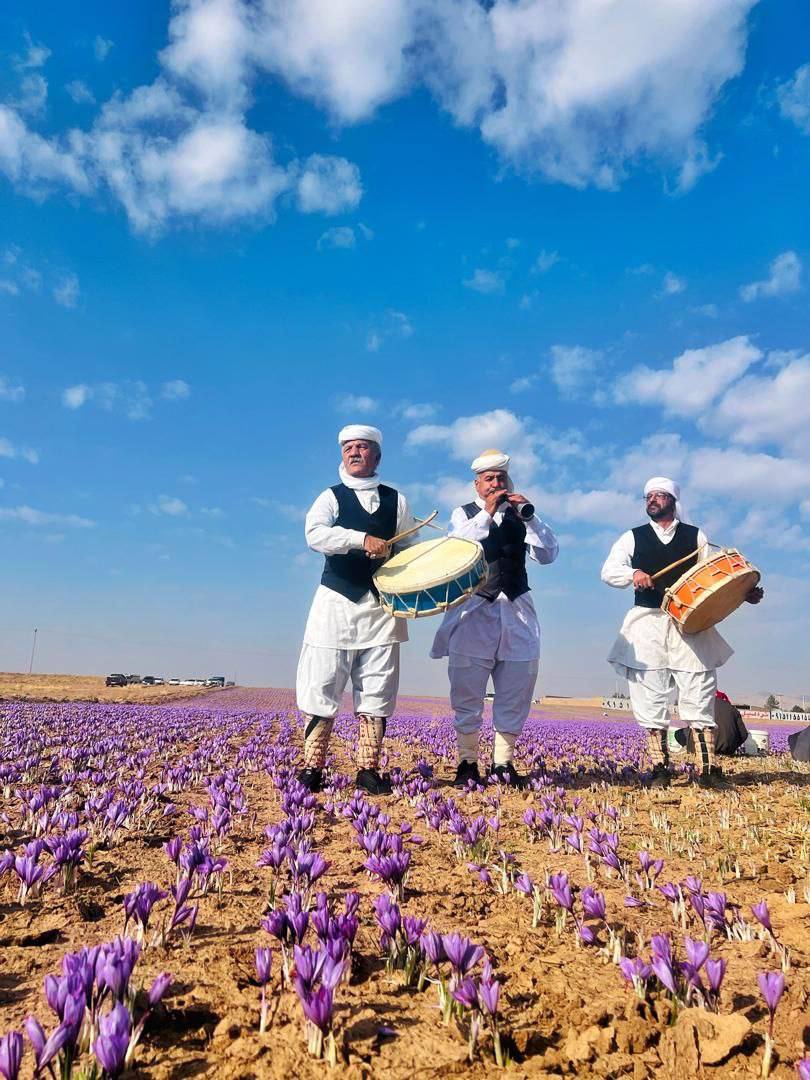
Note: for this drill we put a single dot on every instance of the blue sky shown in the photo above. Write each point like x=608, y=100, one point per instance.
x=578, y=232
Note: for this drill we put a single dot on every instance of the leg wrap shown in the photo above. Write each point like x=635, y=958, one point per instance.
x=316, y=741
x=503, y=747
x=371, y=730
x=705, y=741
x=467, y=746
x=657, y=746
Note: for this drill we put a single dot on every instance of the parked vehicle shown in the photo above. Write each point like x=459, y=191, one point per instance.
x=174, y=682
x=215, y=680
x=116, y=680
x=133, y=678
x=148, y=680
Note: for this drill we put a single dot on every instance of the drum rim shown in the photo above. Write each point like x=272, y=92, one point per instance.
x=670, y=595
x=479, y=555
x=706, y=562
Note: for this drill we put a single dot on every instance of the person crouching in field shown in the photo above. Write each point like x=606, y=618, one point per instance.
x=348, y=634
x=651, y=651
x=495, y=633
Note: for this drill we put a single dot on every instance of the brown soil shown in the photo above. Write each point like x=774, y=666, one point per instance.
x=17, y=687
x=566, y=1009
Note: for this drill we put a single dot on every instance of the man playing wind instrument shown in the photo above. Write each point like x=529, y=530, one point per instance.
x=651, y=651
x=348, y=634
x=495, y=633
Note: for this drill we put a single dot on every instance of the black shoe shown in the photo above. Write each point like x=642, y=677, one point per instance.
x=466, y=771
x=713, y=778
x=661, y=776
x=370, y=780
x=507, y=774
x=311, y=779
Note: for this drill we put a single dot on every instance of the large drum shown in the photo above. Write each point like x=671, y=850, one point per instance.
x=710, y=591
x=429, y=578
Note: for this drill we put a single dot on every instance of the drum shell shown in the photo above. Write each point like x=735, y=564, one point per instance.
x=709, y=592
x=438, y=591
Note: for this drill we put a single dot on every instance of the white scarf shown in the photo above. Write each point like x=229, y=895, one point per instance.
x=358, y=483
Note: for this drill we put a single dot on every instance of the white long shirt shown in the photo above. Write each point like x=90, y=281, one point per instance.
x=501, y=629
x=334, y=621
x=649, y=638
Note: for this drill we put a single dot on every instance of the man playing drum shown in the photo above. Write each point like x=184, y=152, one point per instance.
x=651, y=651
x=348, y=635
x=495, y=633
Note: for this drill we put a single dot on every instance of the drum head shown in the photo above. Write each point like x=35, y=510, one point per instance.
x=719, y=603
x=430, y=563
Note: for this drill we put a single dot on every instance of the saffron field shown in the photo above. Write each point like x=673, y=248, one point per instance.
x=172, y=904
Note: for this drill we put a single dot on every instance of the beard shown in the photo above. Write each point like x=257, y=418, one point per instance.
x=658, y=512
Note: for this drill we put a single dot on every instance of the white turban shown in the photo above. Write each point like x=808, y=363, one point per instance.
x=360, y=431
x=671, y=487
x=491, y=459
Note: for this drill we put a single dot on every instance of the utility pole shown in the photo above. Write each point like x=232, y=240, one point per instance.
x=33, y=650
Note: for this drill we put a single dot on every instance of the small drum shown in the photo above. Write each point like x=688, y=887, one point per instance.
x=710, y=591
x=429, y=578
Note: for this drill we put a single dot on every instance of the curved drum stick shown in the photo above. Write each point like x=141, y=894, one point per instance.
x=412, y=529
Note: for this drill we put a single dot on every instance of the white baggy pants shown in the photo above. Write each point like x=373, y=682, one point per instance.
x=323, y=674
x=650, y=696
x=513, y=682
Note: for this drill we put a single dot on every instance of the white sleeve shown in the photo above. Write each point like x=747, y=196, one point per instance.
x=617, y=570
x=474, y=528
x=321, y=532
x=405, y=520
x=541, y=543
x=704, y=551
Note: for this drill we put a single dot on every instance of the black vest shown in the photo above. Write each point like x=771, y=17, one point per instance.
x=505, y=551
x=350, y=574
x=651, y=555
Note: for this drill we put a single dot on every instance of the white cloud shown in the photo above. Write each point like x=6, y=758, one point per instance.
x=594, y=507
x=73, y=397
x=573, y=367
x=66, y=292
x=485, y=281
x=749, y=477
x=36, y=56
x=697, y=162
x=662, y=454
x=467, y=436
x=696, y=377
x=80, y=93
x=29, y=516
x=672, y=285
x=394, y=325
x=33, y=94
x=102, y=47
x=328, y=185
x=339, y=236
x=175, y=390
x=11, y=391
x=544, y=262
x=130, y=397
x=9, y=450
x=11, y=288
x=767, y=408
x=169, y=505
x=524, y=383
x=356, y=403
x=418, y=410
x=212, y=511
x=784, y=277
x=794, y=98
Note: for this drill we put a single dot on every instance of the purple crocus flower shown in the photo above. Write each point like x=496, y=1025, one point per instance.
x=762, y=914
x=772, y=985
x=318, y=1007
x=461, y=952
x=158, y=988
x=11, y=1052
x=466, y=994
x=660, y=945
x=593, y=903
x=561, y=890
x=432, y=946
x=489, y=992
x=697, y=952
x=663, y=969
x=524, y=884
x=803, y=1068
x=264, y=962
x=715, y=973
x=112, y=1043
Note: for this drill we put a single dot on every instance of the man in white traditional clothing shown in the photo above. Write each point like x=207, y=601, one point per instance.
x=495, y=634
x=348, y=634
x=651, y=651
